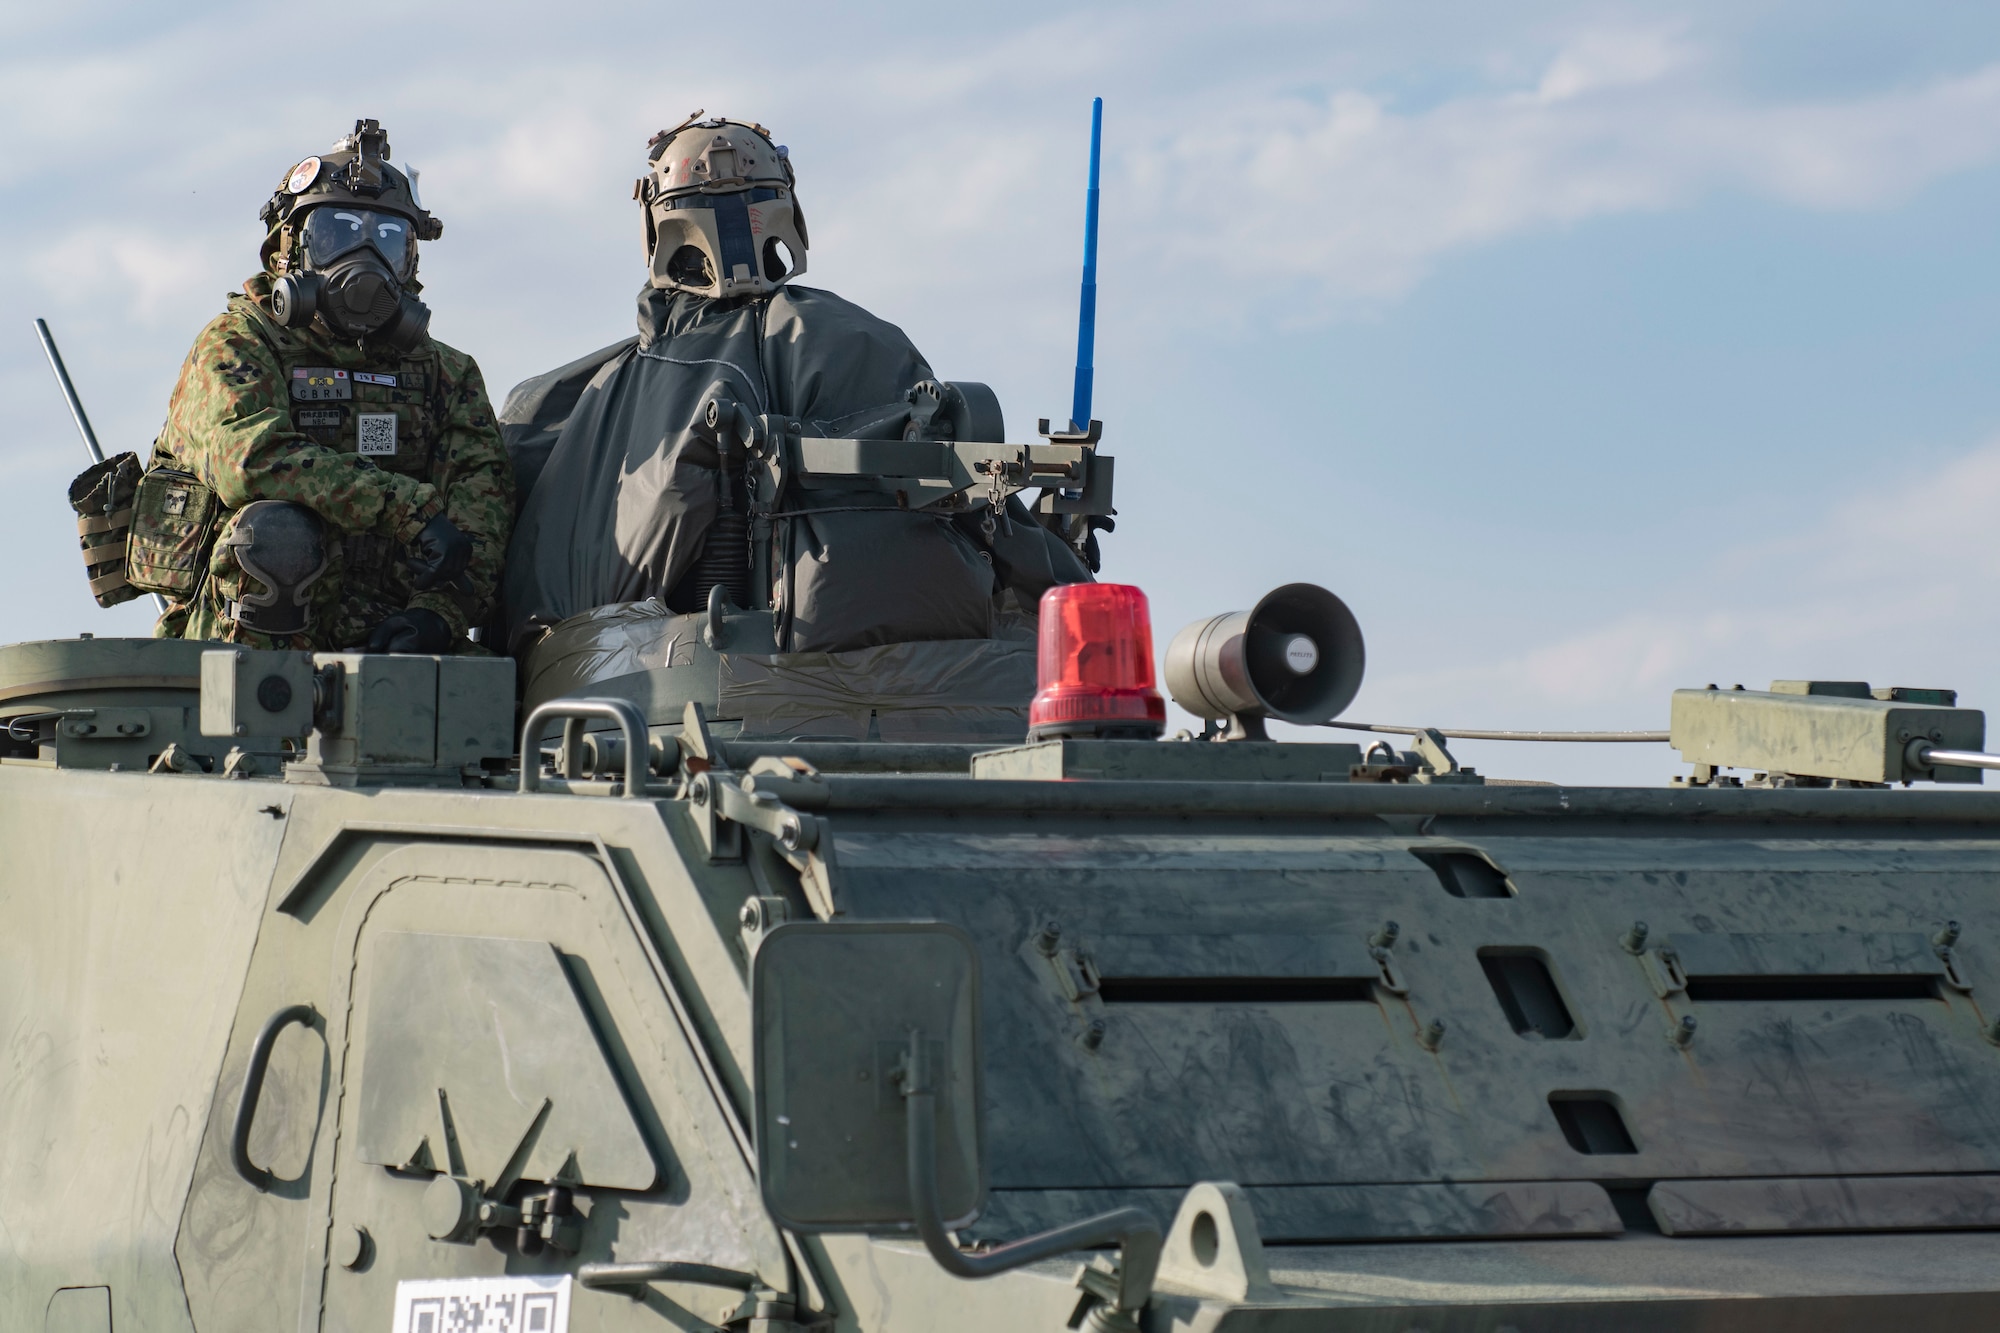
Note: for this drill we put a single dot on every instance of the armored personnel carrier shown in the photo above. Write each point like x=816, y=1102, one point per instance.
x=722, y=988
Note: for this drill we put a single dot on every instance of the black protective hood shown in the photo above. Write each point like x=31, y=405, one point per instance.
x=621, y=507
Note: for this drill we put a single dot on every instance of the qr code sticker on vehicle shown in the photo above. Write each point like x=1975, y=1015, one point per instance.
x=483, y=1305
x=378, y=433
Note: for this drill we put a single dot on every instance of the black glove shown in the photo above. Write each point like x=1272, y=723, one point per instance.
x=413, y=631
x=443, y=552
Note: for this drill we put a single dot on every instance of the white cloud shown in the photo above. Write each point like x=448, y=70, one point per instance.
x=1613, y=59
x=1359, y=200
x=140, y=274
x=1892, y=583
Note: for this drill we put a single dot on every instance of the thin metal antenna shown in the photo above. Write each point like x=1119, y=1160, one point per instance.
x=69, y=391
x=1086, y=319
x=76, y=411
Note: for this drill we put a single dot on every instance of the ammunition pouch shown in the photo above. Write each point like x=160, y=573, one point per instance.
x=283, y=546
x=174, y=519
x=102, y=498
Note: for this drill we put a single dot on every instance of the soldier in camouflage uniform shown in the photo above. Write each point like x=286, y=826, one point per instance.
x=344, y=448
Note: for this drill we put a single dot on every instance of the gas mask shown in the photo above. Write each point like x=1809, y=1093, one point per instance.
x=353, y=264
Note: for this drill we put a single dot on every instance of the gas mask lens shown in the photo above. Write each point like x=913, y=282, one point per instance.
x=335, y=230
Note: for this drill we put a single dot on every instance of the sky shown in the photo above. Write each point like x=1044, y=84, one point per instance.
x=1587, y=350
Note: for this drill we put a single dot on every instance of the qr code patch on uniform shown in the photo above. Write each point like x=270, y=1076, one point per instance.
x=483, y=1305
x=378, y=433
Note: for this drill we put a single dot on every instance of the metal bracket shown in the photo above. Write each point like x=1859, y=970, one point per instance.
x=725, y=804
x=1438, y=764
x=720, y=837
x=1095, y=495
x=1663, y=970
x=699, y=750
x=1942, y=944
x=115, y=724
x=1437, y=759
x=758, y=915
x=1089, y=435
x=1076, y=975
x=1380, y=947
x=456, y=1210
x=1214, y=1248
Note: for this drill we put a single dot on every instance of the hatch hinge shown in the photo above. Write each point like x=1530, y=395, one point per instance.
x=726, y=802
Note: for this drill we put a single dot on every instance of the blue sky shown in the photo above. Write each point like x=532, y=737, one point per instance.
x=1588, y=350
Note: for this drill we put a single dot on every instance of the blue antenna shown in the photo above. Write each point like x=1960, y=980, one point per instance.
x=1086, y=318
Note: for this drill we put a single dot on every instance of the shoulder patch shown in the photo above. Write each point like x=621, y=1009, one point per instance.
x=369, y=377
x=313, y=384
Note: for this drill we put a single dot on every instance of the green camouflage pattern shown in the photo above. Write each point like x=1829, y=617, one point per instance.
x=234, y=423
x=173, y=523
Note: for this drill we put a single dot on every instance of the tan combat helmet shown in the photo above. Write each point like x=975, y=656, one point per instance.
x=721, y=215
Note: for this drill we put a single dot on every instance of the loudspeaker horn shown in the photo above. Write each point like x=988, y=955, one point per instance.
x=1296, y=656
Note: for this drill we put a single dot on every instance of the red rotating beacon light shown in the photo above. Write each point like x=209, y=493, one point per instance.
x=1095, y=665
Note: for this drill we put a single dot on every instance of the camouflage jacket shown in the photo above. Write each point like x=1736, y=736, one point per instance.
x=375, y=443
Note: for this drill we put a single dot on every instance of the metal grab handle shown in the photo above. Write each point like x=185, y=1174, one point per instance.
x=598, y=1276
x=1133, y=1230
x=253, y=1091
x=574, y=711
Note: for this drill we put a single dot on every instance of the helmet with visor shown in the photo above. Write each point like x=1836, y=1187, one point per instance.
x=342, y=242
x=722, y=218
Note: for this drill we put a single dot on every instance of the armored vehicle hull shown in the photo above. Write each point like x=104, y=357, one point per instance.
x=336, y=1048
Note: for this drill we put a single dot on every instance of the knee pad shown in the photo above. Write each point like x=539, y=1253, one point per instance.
x=282, y=546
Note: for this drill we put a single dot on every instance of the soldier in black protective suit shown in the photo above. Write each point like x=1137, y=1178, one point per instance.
x=622, y=496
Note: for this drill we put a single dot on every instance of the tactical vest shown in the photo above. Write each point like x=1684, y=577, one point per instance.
x=390, y=410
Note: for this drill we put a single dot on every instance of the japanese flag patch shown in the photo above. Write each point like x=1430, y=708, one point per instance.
x=378, y=434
